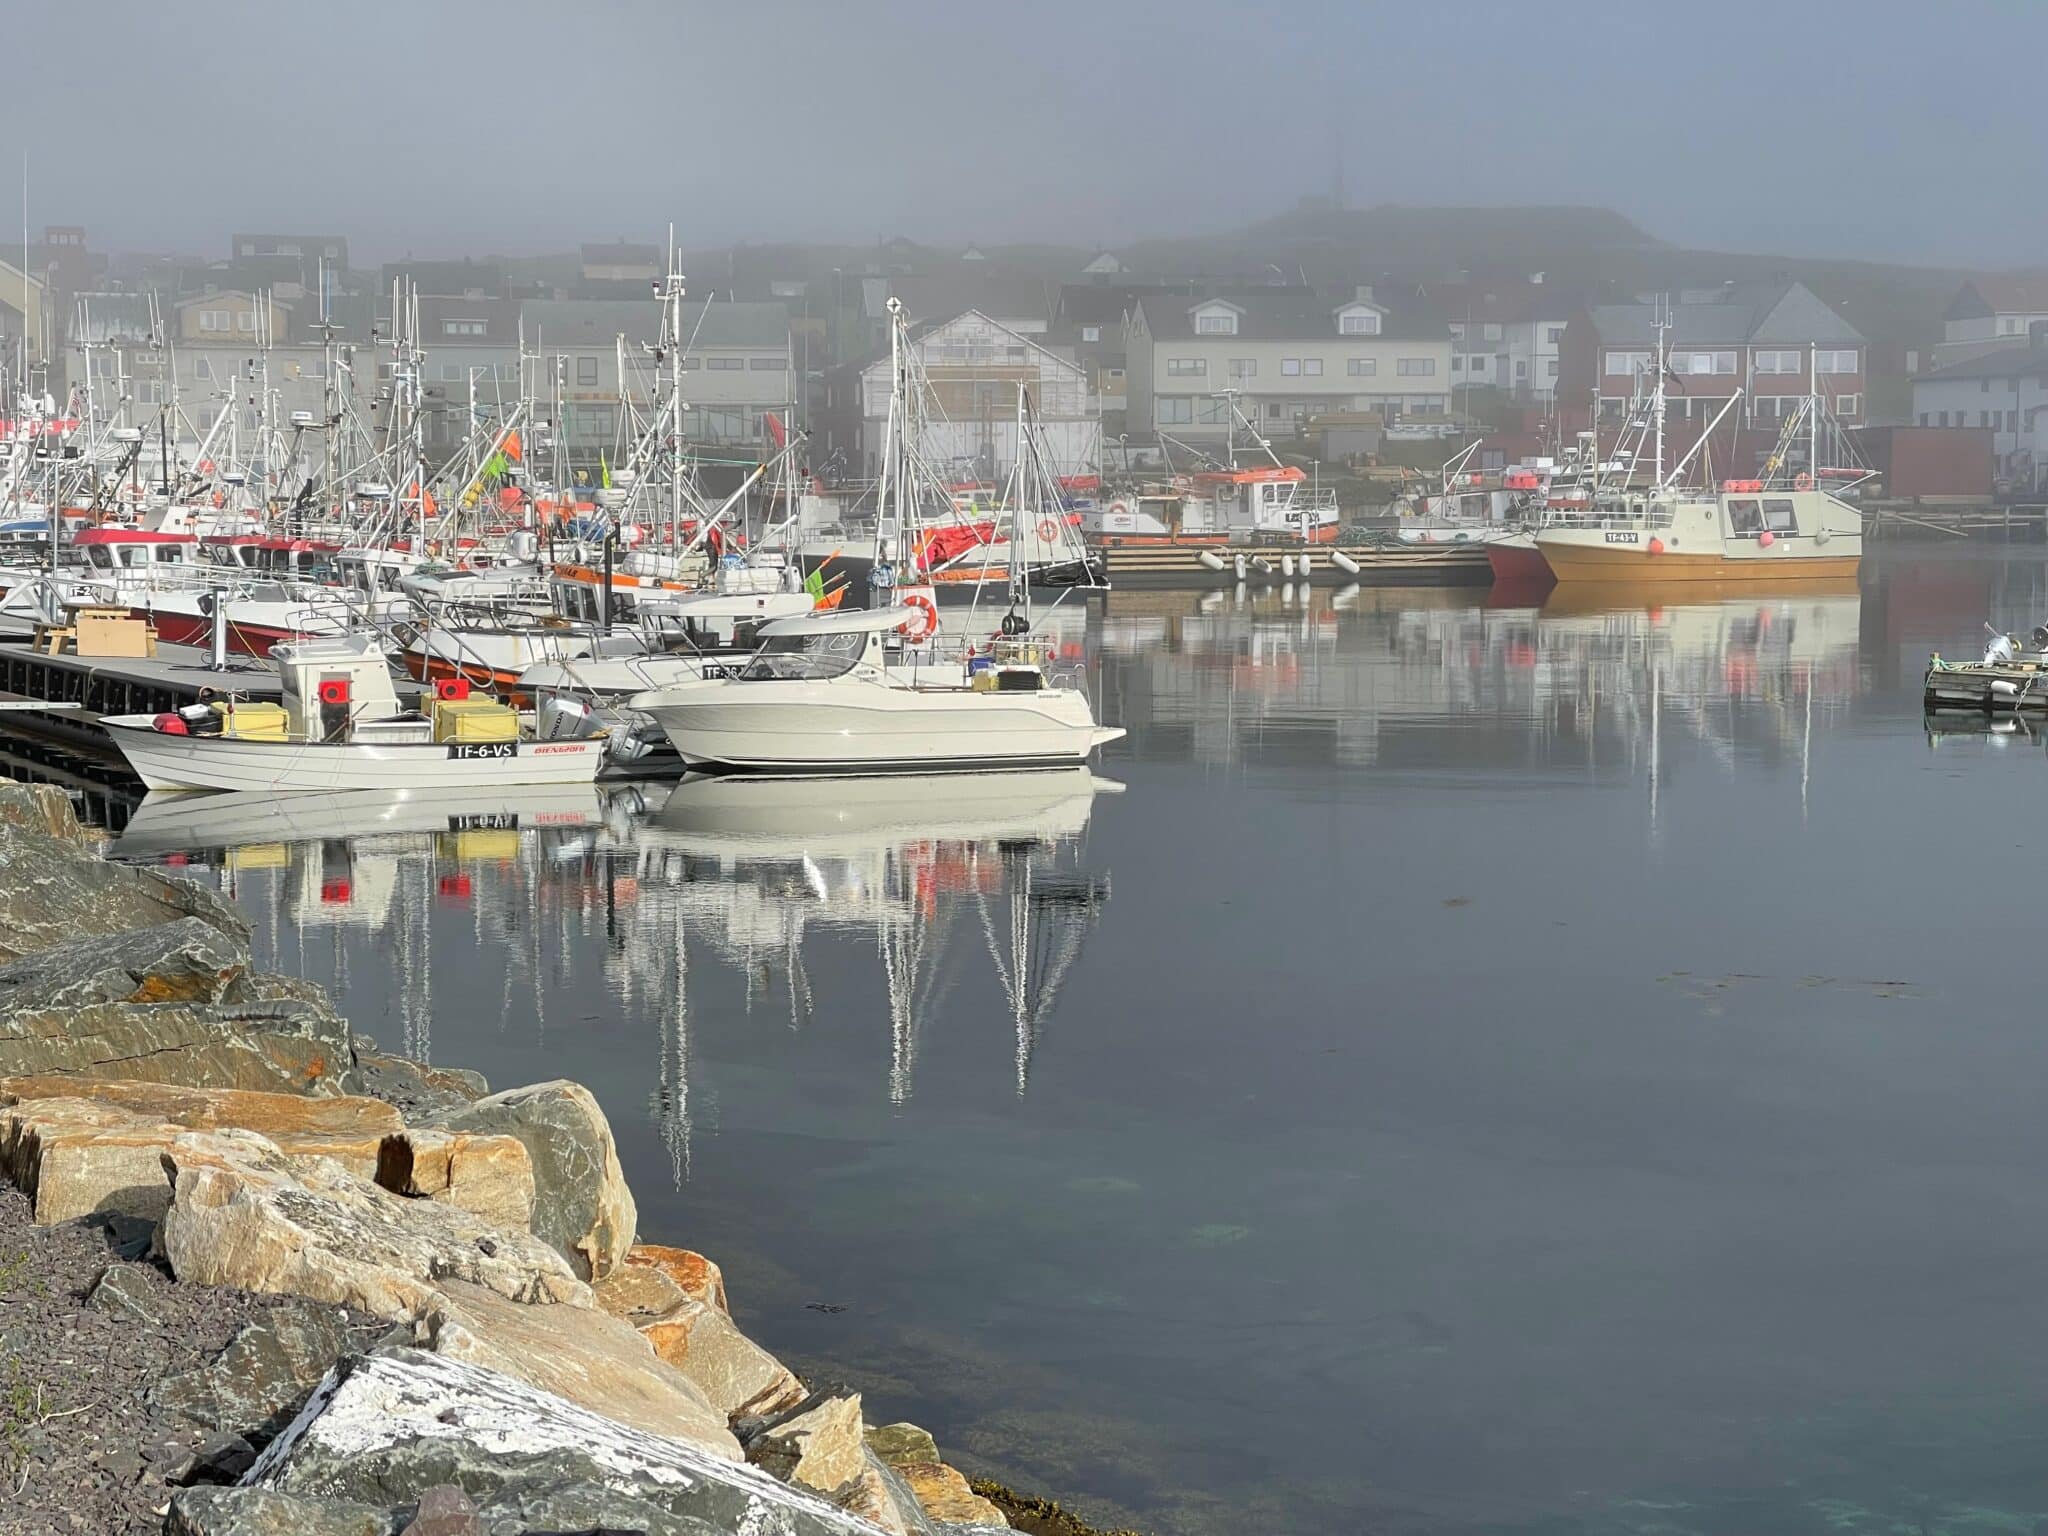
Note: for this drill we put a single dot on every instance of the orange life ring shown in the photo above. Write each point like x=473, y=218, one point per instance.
x=928, y=612
x=1804, y=482
x=1119, y=509
x=1048, y=529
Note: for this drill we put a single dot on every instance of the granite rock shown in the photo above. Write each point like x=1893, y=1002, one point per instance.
x=209, y=1511
x=252, y=1386
x=738, y=1376
x=414, y=1089
x=383, y=1428
x=489, y=1176
x=55, y=891
x=693, y=1274
x=942, y=1492
x=445, y=1511
x=580, y=1203
x=244, y=1214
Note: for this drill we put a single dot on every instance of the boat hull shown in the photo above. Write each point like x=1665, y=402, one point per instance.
x=172, y=762
x=839, y=729
x=1518, y=562
x=1574, y=561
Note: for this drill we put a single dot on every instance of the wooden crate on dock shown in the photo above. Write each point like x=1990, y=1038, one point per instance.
x=100, y=632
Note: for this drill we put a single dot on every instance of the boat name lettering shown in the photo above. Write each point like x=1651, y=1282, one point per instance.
x=561, y=746
x=712, y=670
x=485, y=821
x=487, y=749
x=1620, y=538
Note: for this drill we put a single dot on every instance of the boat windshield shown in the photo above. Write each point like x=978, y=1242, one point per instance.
x=804, y=658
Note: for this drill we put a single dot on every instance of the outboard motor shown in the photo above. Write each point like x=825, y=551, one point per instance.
x=561, y=718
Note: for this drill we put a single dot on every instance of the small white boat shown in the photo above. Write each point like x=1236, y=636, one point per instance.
x=822, y=696
x=340, y=727
x=174, y=823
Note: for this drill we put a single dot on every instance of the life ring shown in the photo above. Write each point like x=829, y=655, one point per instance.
x=1804, y=482
x=1048, y=529
x=1119, y=509
x=927, y=613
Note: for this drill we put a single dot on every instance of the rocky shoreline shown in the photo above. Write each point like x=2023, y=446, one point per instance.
x=258, y=1278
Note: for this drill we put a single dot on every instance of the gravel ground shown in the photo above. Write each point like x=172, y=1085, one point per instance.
x=80, y=1448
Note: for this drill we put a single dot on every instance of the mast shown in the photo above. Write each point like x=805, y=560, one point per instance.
x=1661, y=321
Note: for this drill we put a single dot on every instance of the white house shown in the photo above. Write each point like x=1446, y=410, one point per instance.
x=975, y=366
x=1281, y=355
x=2006, y=392
x=1505, y=336
x=1989, y=313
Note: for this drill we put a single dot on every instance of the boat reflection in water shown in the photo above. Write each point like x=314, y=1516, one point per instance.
x=750, y=867
x=928, y=868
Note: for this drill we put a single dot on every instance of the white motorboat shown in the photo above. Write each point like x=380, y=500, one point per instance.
x=822, y=695
x=341, y=727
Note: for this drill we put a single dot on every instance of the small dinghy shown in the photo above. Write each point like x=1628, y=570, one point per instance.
x=340, y=726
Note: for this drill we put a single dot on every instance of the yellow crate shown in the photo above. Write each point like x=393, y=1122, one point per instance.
x=474, y=719
x=248, y=721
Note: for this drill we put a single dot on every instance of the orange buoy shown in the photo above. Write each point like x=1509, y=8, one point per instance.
x=1656, y=546
x=1766, y=539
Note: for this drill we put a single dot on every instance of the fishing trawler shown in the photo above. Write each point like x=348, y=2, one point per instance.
x=1785, y=524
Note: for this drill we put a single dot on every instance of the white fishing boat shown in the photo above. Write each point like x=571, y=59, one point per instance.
x=822, y=696
x=341, y=726
x=175, y=823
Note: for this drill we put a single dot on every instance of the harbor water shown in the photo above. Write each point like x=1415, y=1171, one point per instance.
x=1463, y=1062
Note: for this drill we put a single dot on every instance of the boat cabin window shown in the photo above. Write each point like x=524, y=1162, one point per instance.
x=1778, y=517
x=1745, y=519
x=804, y=658
x=170, y=554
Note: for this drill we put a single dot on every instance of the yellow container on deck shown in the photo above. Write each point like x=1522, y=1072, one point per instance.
x=474, y=719
x=248, y=721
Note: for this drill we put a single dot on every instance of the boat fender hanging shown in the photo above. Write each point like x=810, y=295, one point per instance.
x=1766, y=539
x=1211, y=559
x=1344, y=562
x=334, y=690
x=171, y=725
x=1656, y=545
x=924, y=617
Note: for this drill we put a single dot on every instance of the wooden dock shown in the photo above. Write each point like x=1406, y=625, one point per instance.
x=1933, y=518
x=1982, y=687
x=1391, y=564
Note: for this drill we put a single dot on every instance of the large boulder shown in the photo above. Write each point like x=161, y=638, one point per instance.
x=578, y=1353
x=73, y=1155
x=44, y=809
x=55, y=891
x=691, y=1273
x=263, y=1512
x=384, y=1428
x=821, y=1445
x=580, y=1200
x=413, y=1088
x=941, y=1491
x=488, y=1176
x=254, y=1384
x=244, y=1214
x=175, y=1003
x=738, y=1376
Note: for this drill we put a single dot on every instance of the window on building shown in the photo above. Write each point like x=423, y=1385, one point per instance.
x=1362, y=367
x=2008, y=325
x=768, y=364
x=451, y=373
x=1312, y=367
x=1625, y=364
x=1216, y=322
x=1275, y=411
x=2012, y=419
x=1290, y=367
x=1173, y=410
x=1521, y=369
x=1553, y=334
x=1187, y=367
x=1244, y=367
x=464, y=328
x=213, y=320
x=1416, y=367
x=1490, y=331
x=1358, y=322
x=1457, y=331
x=202, y=368
x=725, y=364
x=1212, y=412
x=1457, y=362
x=1091, y=333
x=1777, y=362
x=586, y=370
x=246, y=322
x=1476, y=363
x=692, y=362
x=1550, y=366
x=1925, y=420
x=1838, y=363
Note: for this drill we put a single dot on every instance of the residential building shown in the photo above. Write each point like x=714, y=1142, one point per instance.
x=321, y=260
x=736, y=368
x=1506, y=336
x=463, y=279
x=230, y=316
x=2003, y=393
x=1989, y=313
x=1767, y=340
x=1282, y=355
x=24, y=318
x=1091, y=321
x=975, y=366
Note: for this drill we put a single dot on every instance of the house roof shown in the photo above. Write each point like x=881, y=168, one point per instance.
x=1294, y=314
x=1741, y=313
x=595, y=322
x=2018, y=362
x=1107, y=303
x=2000, y=293
x=1508, y=303
x=947, y=291
x=450, y=278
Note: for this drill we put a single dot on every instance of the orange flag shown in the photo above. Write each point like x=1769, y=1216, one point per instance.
x=513, y=451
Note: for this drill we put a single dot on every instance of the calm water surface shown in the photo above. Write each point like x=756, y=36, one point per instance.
x=1574, y=1067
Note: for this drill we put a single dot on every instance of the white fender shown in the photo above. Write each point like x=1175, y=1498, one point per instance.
x=1211, y=559
x=1343, y=562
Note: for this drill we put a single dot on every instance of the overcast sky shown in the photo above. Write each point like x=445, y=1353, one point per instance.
x=1887, y=128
